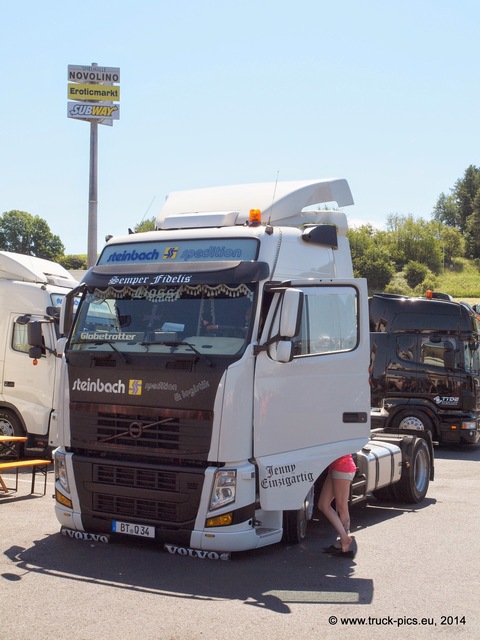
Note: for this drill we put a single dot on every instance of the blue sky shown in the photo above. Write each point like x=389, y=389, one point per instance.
x=382, y=93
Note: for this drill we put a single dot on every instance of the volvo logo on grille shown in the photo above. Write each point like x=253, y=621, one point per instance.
x=135, y=430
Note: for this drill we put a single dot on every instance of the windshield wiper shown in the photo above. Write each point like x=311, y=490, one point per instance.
x=174, y=345
x=110, y=344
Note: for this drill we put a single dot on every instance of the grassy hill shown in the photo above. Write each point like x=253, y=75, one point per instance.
x=461, y=281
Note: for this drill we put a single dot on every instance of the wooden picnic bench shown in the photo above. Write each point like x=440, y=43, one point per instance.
x=37, y=466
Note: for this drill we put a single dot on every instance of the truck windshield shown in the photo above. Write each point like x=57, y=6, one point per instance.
x=472, y=356
x=205, y=319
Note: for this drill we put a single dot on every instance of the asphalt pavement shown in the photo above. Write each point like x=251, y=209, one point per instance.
x=416, y=575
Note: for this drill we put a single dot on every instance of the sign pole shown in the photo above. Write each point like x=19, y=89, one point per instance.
x=95, y=91
x=92, y=196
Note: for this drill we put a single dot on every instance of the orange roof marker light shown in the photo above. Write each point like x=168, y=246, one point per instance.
x=255, y=218
x=437, y=295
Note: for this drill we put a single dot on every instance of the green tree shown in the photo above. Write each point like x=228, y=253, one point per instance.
x=414, y=239
x=20, y=232
x=455, y=210
x=74, y=262
x=446, y=211
x=145, y=225
x=374, y=265
x=415, y=273
x=465, y=191
x=452, y=242
x=472, y=232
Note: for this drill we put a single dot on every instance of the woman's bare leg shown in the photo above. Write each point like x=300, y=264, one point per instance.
x=341, y=490
x=325, y=505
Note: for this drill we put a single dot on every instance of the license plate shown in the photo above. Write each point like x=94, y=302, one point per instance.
x=133, y=529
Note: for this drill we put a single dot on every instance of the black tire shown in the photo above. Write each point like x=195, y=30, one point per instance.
x=413, y=420
x=10, y=426
x=295, y=522
x=413, y=485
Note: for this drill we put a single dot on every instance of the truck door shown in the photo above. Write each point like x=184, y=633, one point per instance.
x=25, y=386
x=315, y=408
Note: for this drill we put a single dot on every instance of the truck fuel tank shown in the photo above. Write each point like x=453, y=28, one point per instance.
x=381, y=463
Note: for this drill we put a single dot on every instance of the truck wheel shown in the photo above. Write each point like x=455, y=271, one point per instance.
x=385, y=494
x=413, y=420
x=413, y=485
x=10, y=426
x=295, y=522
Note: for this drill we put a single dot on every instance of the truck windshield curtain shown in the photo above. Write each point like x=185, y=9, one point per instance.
x=211, y=319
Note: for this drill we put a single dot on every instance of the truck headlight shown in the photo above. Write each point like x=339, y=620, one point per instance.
x=61, y=471
x=224, y=488
x=469, y=425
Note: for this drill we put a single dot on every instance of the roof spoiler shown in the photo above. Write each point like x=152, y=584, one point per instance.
x=285, y=203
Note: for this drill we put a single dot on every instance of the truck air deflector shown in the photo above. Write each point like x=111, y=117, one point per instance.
x=281, y=203
x=227, y=272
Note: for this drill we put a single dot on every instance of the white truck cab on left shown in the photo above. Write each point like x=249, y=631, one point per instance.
x=31, y=289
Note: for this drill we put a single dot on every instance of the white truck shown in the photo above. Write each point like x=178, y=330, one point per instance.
x=30, y=289
x=212, y=371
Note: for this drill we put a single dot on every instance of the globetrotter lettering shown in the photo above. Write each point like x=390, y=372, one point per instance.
x=86, y=335
x=284, y=476
x=211, y=252
x=97, y=386
x=196, y=553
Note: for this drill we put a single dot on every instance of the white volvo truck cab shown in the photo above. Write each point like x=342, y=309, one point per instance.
x=213, y=370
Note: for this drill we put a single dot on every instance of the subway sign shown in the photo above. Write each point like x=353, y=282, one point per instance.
x=93, y=111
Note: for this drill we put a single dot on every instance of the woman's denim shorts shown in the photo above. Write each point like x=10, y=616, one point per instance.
x=342, y=475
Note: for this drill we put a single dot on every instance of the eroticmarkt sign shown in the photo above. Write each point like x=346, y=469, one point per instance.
x=100, y=92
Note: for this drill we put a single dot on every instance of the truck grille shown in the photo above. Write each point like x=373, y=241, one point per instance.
x=146, y=510
x=167, y=497
x=140, y=464
x=141, y=431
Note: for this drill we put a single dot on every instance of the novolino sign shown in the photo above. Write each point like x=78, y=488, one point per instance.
x=89, y=73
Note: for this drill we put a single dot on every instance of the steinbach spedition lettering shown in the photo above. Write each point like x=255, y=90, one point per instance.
x=98, y=386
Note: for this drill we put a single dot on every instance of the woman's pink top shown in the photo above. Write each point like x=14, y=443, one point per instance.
x=344, y=464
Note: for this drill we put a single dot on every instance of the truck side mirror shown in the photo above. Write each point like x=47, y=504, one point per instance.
x=35, y=336
x=291, y=313
x=284, y=351
x=53, y=312
x=35, y=353
x=67, y=311
x=449, y=356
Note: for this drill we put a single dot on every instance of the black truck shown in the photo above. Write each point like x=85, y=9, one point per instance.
x=425, y=366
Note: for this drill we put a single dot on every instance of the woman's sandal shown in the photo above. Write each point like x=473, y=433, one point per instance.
x=352, y=551
x=332, y=549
